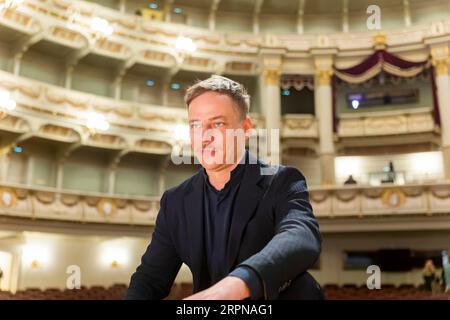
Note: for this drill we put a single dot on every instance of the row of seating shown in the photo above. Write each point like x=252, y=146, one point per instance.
x=180, y=291
x=386, y=292
x=115, y=292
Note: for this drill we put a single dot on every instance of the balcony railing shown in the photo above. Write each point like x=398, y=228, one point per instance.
x=49, y=203
x=348, y=201
x=387, y=200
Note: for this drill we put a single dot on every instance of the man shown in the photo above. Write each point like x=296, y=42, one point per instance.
x=243, y=233
x=445, y=271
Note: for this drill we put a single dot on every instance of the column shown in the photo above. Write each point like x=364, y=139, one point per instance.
x=441, y=62
x=323, y=104
x=165, y=92
x=271, y=105
x=345, y=23
x=59, y=174
x=30, y=171
x=212, y=15
x=407, y=13
x=17, y=62
x=68, y=77
x=118, y=87
x=300, y=14
x=256, y=15
x=4, y=164
x=122, y=4
x=161, y=175
x=168, y=10
x=112, y=179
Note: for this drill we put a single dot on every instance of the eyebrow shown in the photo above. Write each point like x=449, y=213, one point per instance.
x=210, y=119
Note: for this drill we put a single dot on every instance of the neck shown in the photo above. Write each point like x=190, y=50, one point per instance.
x=219, y=178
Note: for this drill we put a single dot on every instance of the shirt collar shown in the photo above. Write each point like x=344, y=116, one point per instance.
x=235, y=175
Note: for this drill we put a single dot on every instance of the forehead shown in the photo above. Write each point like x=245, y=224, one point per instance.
x=212, y=104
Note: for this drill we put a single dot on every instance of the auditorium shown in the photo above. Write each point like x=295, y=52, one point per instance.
x=349, y=101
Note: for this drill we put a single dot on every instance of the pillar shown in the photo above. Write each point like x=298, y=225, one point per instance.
x=323, y=104
x=271, y=105
x=441, y=62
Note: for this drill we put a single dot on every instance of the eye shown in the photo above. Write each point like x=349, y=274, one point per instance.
x=195, y=125
x=219, y=124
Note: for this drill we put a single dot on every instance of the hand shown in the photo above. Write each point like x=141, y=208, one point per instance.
x=229, y=288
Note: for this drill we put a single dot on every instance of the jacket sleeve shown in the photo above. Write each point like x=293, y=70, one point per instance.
x=296, y=244
x=159, y=266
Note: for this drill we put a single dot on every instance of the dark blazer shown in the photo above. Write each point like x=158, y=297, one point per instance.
x=273, y=231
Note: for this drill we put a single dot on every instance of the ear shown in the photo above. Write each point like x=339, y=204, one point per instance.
x=248, y=125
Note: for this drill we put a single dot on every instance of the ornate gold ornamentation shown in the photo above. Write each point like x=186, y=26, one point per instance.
x=69, y=199
x=394, y=198
x=323, y=77
x=441, y=65
x=373, y=193
x=346, y=196
x=379, y=41
x=413, y=192
x=142, y=205
x=33, y=92
x=8, y=198
x=444, y=194
x=298, y=123
x=272, y=77
x=45, y=197
x=107, y=207
x=318, y=197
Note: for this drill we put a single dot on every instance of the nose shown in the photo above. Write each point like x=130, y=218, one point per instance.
x=207, y=139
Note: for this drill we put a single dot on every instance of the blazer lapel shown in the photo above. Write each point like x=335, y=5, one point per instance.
x=247, y=199
x=193, y=211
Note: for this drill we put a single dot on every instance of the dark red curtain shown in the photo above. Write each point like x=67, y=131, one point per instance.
x=375, y=63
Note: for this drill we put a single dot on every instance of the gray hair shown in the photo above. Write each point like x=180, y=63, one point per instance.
x=233, y=89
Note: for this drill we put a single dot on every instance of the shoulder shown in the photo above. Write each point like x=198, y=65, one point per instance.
x=277, y=175
x=180, y=190
x=289, y=173
x=286, y=179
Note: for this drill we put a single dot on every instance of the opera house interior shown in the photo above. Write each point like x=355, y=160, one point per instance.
x=92, y=108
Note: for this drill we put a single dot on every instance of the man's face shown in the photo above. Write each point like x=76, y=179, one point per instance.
x=212, y=116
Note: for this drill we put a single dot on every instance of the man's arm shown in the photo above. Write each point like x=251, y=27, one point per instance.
x=159, y=264
x=297, y=242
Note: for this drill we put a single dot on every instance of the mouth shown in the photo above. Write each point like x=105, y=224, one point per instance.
x=209, y=151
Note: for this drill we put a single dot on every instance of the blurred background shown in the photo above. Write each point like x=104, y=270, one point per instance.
x=91, y=107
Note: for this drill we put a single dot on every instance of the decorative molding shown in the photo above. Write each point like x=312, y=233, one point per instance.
x=271, y=77
x=107, y=207
x=379, y=41
x=323, y=66
x=394, y=198
x=299, y=126
x=441, y=66
x=386, y=123
x=153, y=146
x=323, y=77
x=327, y=202
x=364, y=201
x=440, y=59
x=144, y=32
x=8, y=198
x=107, y=140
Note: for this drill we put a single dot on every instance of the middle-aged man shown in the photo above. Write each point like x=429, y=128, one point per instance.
x=242, y=232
